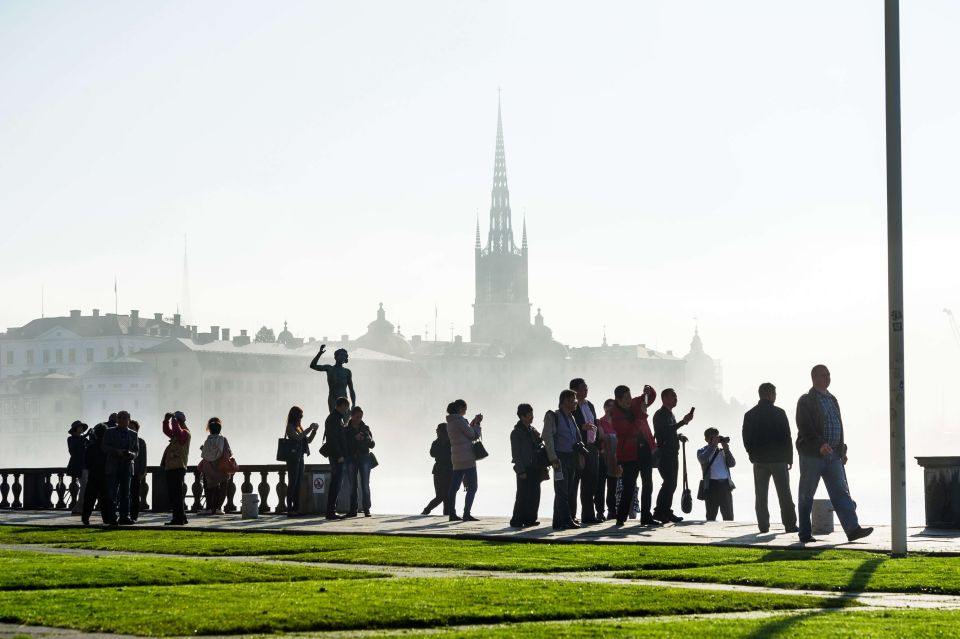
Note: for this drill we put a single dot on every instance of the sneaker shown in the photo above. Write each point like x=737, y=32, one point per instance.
x=859, y=533
x=335, y=517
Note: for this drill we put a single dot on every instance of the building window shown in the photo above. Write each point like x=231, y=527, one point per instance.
x=89, y=355
x=72, y=355
x=46, y=356
x=29, y=357
x=59, y=356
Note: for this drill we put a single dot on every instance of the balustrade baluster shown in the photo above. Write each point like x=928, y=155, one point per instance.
x=74, y=491
x=264, y=489
x=198, y=491
x=17, y=489
x=282, y=493
x=61, y=490
x=4, y=491
x=47, y=491
x=231, y=491
x=246, y=487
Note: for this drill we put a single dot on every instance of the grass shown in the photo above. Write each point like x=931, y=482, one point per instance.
x=363, y=603
x=35, y=571
x=869, y=573
x=917, y=624
x=410, y=551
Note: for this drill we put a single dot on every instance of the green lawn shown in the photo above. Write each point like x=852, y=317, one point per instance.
x=32, y=571
x=869, y=572
x=411, y=551
x=916, y=624
x=363, y=603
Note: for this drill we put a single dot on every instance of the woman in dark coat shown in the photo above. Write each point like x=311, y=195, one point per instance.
x=76, y=444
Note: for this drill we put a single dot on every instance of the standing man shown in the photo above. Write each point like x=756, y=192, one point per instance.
x=120, y=448
x=665, y=427
x=586, y=417
x=336, y=442
x=525, y=445
x=823, y=454
x=716, y=460
x=139, y=472
x=766, y=436
x=339, y=378
x=561, y=438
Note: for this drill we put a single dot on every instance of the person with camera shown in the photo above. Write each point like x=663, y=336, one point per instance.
x=174, y=464
x=120, y=450
x=442, y=470
x=462, y=434
x=666, y=431
x=766, y=438
x=635, y=448
x=526, y=447
x=716, y=460
x=564, y=443
x=335, y=447
x=359, y=441
x=823, y=454
x=303, y=438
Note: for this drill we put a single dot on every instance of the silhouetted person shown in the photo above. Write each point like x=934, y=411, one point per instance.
x=635, y=447
x=76, y=445
x=585, y=414
x=562, y=439
x=94, y=460
x=462, y=434
x=716, y=460
x=215, y=449
x=139, y=472
x=339, y=378
x=525, y=447
x=174, y=463
x=120, y=449
x=359, y=441
x=610, y=472
x=304, y=437
x=823, y=454
x=665, y=427
x=442, y=469
x=335, y=440
x=766, y=438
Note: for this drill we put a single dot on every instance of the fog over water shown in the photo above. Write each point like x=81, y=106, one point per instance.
x=672, y=161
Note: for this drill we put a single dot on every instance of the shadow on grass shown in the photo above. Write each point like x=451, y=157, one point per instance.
x=780, y=626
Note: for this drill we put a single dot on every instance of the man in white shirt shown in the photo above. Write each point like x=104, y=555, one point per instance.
x=716, y=460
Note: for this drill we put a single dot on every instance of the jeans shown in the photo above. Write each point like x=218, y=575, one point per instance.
x=336, y=479
x=669, y=468
x=527, y=503
x=294, y=479
x=118, y=496
x=762, y=472
x=467, y=477
x=719, y=497
x=441, y=485
x=358, y=480
x=830, y=468
x=632, y=470
x=563, y=489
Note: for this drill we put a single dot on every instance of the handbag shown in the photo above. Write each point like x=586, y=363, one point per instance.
x=373, y=461
x=479, y=450
x=287, y=450
x=702, y=488
x=227, y=465
x=686, y=501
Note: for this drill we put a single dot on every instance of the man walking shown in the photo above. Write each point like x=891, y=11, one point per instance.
x=586, y=417
x=561, y=438
x=665, y=430
x=766, y=437
x=823, y=454
x=120, y=448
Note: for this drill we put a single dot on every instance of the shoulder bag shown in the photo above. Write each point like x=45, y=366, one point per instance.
x=287, y=449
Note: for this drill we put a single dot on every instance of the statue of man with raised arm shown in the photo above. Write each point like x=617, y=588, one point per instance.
x=339, y=378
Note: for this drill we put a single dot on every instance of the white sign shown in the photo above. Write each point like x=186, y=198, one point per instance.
x=319, y=483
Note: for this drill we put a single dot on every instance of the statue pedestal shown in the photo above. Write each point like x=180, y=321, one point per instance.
x=941, y=489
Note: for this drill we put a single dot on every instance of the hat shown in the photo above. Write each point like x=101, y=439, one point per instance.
x=77, y=426
x=180, y=416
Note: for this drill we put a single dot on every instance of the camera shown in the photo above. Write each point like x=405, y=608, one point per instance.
x=724, y=440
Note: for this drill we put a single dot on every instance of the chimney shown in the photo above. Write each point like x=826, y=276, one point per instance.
x=158, y=317
x=242, y=340
x=96, y=312
x=74, y=314
x=134, y=317
x=458, y=339
x=176, y=319
x=344, y=338
x=215, y=332
x=226, y=334
x=243, y=332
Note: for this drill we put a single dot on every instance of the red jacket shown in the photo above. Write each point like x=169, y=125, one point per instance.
x=629, y=431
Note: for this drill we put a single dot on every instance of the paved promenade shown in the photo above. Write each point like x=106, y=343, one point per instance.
x=687, y=532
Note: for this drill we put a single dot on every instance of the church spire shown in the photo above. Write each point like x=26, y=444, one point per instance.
x=523, y=243
x=477, y=242
x=500, y=238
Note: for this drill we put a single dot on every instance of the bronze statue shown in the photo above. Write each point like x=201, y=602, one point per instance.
x=339, y=378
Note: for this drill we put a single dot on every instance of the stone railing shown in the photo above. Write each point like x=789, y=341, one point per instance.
x=53, y=489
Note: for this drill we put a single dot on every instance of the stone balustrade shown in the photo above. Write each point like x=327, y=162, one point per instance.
x=53, y=489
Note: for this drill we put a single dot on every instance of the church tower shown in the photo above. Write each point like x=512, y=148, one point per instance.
x=501, y=310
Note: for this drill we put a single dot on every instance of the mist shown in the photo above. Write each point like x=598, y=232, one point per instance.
x=679, y=168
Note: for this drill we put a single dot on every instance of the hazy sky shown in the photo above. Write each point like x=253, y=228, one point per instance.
x=674, y=160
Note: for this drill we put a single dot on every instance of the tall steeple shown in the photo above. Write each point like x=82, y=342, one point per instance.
x=500, y=238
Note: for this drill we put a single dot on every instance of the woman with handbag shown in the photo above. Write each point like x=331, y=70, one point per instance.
x=359, y=462
x=215, y=464
x=463, y=458
x=301, y=446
